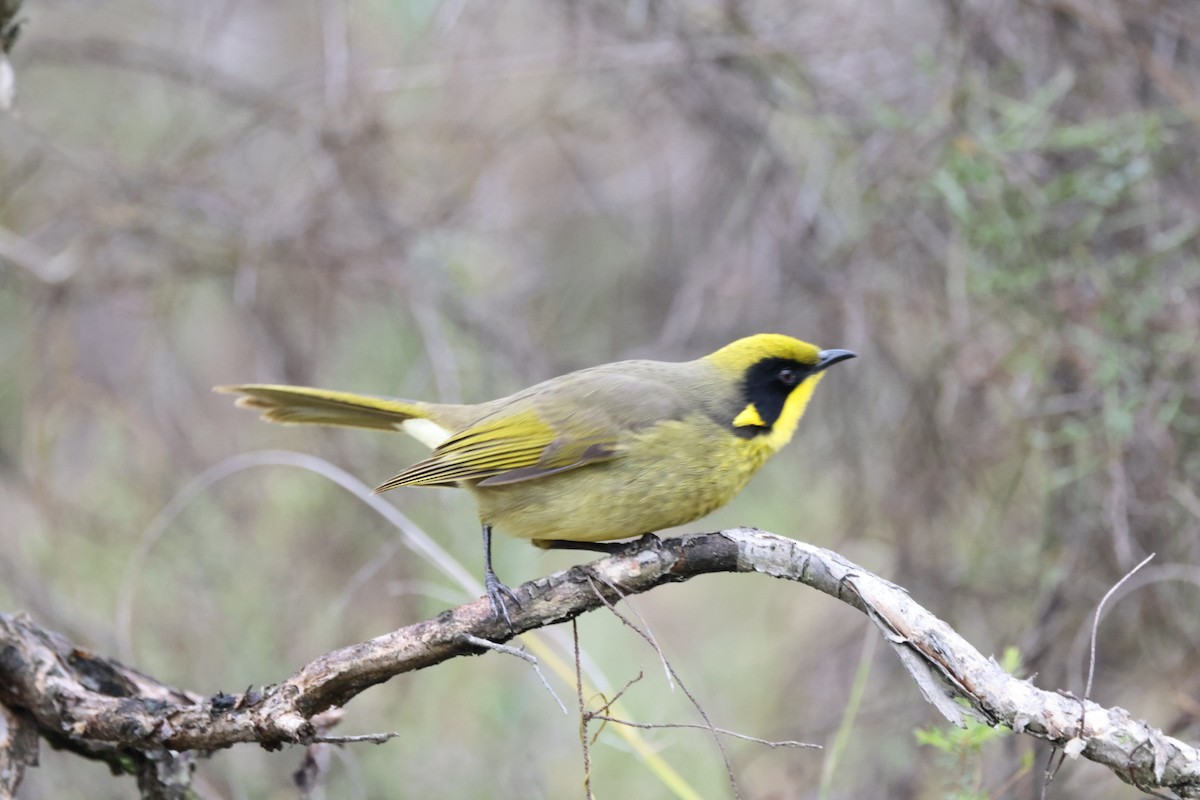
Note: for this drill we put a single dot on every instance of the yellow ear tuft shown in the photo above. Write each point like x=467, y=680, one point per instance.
x=749, y=417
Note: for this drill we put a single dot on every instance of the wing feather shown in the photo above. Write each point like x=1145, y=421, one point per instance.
x=563, y=424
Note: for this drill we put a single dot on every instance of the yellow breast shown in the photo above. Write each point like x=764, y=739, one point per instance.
x=669, y=475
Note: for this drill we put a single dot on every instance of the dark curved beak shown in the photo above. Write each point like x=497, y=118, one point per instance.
x=827, y=358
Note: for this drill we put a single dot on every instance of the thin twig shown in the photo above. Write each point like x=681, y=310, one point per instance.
x=609, y=702
x=722, y=731
x=583, y=715
x=647, y=634
x=375, y=738
x=1052, y=768
x=521, y=654
x=671, y=671
x=1087, y=691
x=1053, y=765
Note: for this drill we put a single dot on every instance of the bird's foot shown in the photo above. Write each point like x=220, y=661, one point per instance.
x=496, y=594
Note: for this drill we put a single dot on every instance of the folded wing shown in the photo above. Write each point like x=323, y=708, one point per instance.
x=563, y=424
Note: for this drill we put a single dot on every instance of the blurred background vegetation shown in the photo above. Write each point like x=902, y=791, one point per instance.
x=994, y=202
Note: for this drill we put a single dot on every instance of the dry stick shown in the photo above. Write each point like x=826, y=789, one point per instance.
x=611, y=701
x=1185, y=573
x=722, y=731
x=1053, y=763
x=101, y=709
x=607, y=705
x=1087, y=691
x=645, y=632
x=373, y=738
x=672, y=674
x=521, y=654
x=583, y=717
x=1053, y=766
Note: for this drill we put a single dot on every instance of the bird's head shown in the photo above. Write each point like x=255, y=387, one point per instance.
x=775, y=376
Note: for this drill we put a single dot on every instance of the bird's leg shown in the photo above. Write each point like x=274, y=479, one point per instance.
x=611, y=548
x=496, y=591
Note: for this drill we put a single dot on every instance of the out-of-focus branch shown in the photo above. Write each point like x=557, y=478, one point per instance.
x=10, y=29
x=163, y=62
x=10, y=25
x=18, y=748
x=96, y=706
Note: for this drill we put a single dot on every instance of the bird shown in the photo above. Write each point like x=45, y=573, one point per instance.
x=600, y=454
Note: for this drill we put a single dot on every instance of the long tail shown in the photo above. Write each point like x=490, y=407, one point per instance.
x=301, y=405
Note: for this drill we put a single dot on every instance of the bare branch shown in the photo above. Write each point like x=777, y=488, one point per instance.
x=94, y=705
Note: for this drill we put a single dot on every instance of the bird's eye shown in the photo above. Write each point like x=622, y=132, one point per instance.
x=788, y=377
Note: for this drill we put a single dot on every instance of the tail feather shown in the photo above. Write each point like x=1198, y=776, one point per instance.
x=301, y=405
